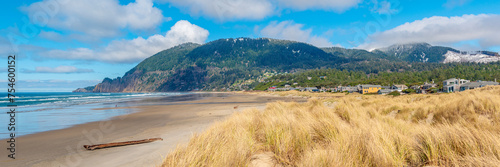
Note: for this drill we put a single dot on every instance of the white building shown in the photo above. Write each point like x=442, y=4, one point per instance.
x=453, y=84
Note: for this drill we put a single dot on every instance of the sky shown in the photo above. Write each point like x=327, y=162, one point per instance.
x=61, y=45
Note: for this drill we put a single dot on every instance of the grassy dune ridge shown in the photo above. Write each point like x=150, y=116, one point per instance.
x=459, y=129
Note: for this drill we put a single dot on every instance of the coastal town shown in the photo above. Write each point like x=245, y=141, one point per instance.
x=447, y=86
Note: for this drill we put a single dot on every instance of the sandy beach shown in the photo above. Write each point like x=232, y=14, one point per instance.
x=175, y=123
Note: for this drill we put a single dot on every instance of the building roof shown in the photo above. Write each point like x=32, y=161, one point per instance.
x=454, y=79
x=376, y=86
x=386, y=90
x=479, y=84
x=400, y=86
x=430, y=84
x=451, y=79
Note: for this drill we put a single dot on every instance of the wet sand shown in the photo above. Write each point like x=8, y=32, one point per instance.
x=175, y=122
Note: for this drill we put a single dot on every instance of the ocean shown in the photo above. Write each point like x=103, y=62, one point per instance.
x=45, y=111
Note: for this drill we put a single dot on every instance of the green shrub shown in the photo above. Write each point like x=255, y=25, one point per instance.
x=433, y=90
x=395, y=93
x=408, y=91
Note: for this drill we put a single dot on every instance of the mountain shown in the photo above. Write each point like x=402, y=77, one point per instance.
x=416, y=52
x=149, y=74
x=240, y=63
x=359, y=54
x=218, y=64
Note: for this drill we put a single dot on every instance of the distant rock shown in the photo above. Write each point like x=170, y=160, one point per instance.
x=89, y=89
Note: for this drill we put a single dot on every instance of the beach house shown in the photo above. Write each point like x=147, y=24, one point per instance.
x=427, y=86
x=311, y=89
x=453, y=84
x=415, y=87
x=399, y=87
x=478, y=84
x=385, y=91
x=368, y=89
x=349, y=89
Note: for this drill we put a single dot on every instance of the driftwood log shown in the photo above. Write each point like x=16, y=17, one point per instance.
x=99, y=146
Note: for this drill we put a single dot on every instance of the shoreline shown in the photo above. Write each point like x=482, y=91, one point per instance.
x=36, y=111
x=175, y=123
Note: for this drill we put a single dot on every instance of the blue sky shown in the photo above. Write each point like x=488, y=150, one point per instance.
x=65, y=44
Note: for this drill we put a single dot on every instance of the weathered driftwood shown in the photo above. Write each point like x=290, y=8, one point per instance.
x=99, y=146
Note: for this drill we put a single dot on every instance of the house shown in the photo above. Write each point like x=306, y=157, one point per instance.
x=399, y=87
x=415, y=87
x=349, y=89
x=366, y=89
x=455, y=81
x=322, y=77
x=287, y=86
x=309, y=78
x=478, y=84
x=424, y=88
x=282, y=89
x=385, y=91
x=427, y=86
x=311, y=89
x=453, y=84
x=298, y=88
x=272, y=89
x=386, y=87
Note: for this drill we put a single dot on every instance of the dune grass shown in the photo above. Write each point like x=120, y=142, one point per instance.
x=459, y=129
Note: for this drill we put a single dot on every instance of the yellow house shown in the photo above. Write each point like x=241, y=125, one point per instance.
x=367, y=89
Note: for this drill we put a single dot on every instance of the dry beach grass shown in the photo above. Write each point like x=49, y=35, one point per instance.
x=459, y=129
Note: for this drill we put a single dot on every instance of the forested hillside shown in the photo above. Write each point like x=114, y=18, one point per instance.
x=219, y=64
x=242, y=63
x=421, y=73
x=417, y=52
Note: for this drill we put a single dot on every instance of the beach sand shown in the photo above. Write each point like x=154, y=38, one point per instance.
x=175, y=123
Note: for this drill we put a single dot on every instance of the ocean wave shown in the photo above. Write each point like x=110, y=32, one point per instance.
x=37, y=100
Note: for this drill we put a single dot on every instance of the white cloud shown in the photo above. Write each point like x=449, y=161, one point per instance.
x=101, y=18
x=384, y=7
x=329, y=5
x=50, y=85
x=439, y=30
x=59, y=69
x=291, y=31
x=225, y=10
x=131, y=51
x=455, y=3
x=5, y=47
x=51, y=35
